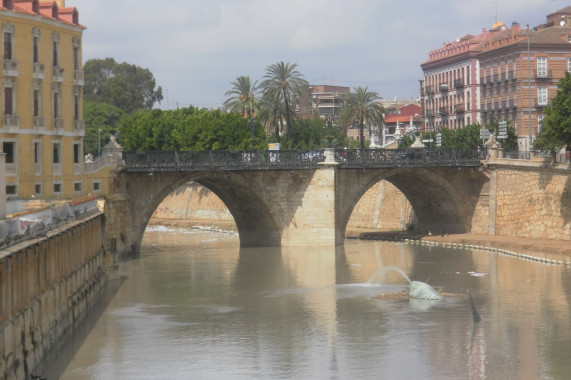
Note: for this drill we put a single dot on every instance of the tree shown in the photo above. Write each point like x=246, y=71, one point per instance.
x=363, y=107
x=272, y=113
x=556, y=125
x=242, y=97
x=187, y=129
x=101, y=120
x=122, y=85
x=283, y=83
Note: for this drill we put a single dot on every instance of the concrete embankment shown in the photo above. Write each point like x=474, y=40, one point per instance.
x=47, y=285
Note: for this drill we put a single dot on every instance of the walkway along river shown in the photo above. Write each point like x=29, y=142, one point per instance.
x=197, y=306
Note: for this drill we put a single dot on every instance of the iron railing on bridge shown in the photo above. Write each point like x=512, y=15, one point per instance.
x=221, y=160
x=296, y=159
x=392, y=158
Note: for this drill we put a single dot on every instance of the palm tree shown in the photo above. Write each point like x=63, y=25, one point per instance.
x=272, y=113
x=361, y=106
x=242, y=97
x=283, y=82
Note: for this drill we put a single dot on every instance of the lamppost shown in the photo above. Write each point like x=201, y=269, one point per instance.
x=252, y=123
x=329, y=121
x=99, y=142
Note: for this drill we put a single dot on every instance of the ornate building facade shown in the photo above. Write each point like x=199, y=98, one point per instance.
x=42, y=127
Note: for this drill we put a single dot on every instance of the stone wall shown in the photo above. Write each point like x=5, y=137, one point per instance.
x=532, y=201
x=382, y=207
x=46, y=288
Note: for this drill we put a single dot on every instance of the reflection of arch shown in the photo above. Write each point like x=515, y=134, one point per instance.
x=443, y=199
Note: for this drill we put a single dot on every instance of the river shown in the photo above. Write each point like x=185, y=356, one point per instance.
x=197, y=306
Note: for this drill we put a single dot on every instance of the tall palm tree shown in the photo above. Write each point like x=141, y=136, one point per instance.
x=242, y=97
x=363, y=107
x=283, y=82
x=272, y=113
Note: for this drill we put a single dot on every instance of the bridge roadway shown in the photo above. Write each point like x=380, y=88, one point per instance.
x=295, y=198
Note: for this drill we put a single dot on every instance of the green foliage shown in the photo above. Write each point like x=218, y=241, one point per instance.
x=362, y=107
x=509, y=144
x=405, y=142
x=101, y=120
x=242, y=97
x=188, y=129
x=122, y=85
x=556, y=125
x=283, y=84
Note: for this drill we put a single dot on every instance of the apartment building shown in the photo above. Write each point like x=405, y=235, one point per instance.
x=450, y=87
x=323, y=101
x=519, y=72
x=41, y=128
x=505, y=73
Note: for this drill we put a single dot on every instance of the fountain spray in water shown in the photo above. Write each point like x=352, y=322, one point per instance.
x=386, y=269
x=417, y=289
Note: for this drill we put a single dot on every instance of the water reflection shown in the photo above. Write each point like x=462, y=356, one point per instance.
x=195, y=305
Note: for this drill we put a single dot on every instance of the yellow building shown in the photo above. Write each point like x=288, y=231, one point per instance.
x=42, y=127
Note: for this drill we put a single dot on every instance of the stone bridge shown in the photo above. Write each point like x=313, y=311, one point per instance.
x=295, y=202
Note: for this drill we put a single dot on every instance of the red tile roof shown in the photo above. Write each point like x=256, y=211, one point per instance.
x=46, y=9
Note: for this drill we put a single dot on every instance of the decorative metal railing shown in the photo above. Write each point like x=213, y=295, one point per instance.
x=292, y=159
x=222, y=160
x=392, y=158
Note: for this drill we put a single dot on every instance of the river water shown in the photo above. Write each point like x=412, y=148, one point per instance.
x=197, y=306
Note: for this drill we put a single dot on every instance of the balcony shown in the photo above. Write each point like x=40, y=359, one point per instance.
x=57, y=74
x=541, y=103
x=429, y=113
x=79, y=125
x=459, y=108
x=11, y=123
x=10, y=68
x=543, y=74
x=443, y=87
x=512, y=103
x=39, y=122
x=459, y=83
x=78, y=78
x=443, y=111
x=496, y=78
x=58, y=125
x=38, y=71
x=429, y=90
x=510, y=75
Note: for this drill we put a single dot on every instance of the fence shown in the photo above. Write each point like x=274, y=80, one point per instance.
x=36, y=223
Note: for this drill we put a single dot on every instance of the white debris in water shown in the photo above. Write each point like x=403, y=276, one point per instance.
x=475, y=274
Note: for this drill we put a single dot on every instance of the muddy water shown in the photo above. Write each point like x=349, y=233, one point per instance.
x=196, y=306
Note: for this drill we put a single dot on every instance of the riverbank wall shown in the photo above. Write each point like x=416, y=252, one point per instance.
x=47, y=285
x=382, y=207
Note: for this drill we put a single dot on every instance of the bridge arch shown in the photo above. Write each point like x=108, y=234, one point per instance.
x=443, y=199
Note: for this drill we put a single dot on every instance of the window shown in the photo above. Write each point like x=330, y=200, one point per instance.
x=8, y=53
x=542, y=66
x=542, y=95
x=8, y=101
x=77, y=187
x=9, y=148
x=569, y=64
x=57, y=188
x=38, y=189
x=36, y=103
x=11, y=189
x=55, y=49
x=76, y=107
x=37, y=152
x=36, y=49
x=56, y=157
x=97, y=186
x=76, y=153
x=56, y=104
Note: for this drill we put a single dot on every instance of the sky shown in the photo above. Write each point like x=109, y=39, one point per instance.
x=196, y=48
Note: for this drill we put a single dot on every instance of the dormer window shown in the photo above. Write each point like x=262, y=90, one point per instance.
x=8, y=4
